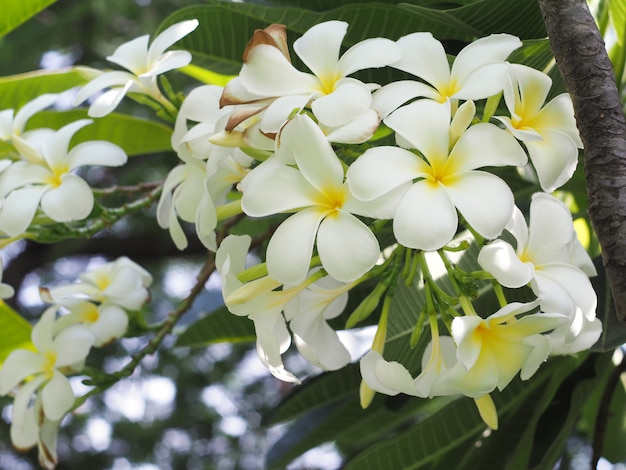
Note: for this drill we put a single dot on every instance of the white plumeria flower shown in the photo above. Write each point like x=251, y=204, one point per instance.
x=542, y=259
x=548, y=131
x=106, y=322
x=51, y=184
x=43, y=372
x=12, y=127
x=446, y=178
x=335, y=98
x=479, y=71
x=308, y=314
x=324, y=208
x=265, y=309
x=144, y=62
x=193, y=190
x=121, y=282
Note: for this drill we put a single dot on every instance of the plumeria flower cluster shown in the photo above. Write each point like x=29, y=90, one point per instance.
x=92, y=312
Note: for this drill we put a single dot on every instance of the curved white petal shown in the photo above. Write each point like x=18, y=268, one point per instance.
x=393, y=95
x=484, y=200
x=168, y=37
x=319, y=47
x=19, y=208
x=56, y=149
x=551, y=229
x=277, y=113
x=169, y=61
x=132, y=54
x=24, y=428
x=206, y=222
x=426, y=218
x=357, y=131
x=383, y=207
x=268, y=72
x=424, y=57
x=533, y=86
x=31, y=108
x=558, y=114
x=386, y=377
x=57, y=397
x=106, y=80
x=108, y=101
x=554, y=158
x=575, y=283
x=380, y=170
x=349, y=100
x=483, y=145
x=347, y=247
x=500, y=260
x=272, y=187
x=496, y=47
x=289, y=250
x=202, y=104
x=20, y=364
x=72, y=344
x=424, y=124
x=112, y=323
x=484, y=82
x=96, y=152
x=369, y=53
x=71, y=200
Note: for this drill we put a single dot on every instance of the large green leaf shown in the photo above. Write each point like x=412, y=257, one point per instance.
x=14, y=331
x=16, y=90
x=136, y=136
x=217, y=327
x=617, y=12
x=16, y=12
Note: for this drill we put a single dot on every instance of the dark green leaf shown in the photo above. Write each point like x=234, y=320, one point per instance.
x=16, y=12
x=217, y=327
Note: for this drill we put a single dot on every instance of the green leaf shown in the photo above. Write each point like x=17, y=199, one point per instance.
x=17, y=90
x=135, y=135
x=206, y=76
x=617, y=13
x=14, y=331
x=217, y=327
x=16, y=12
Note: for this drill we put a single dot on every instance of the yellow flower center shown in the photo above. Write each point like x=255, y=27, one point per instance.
x=90, y=313
x=54, y=179
x=446, y=90
x=332, y=199
x=50, y=359
x=328, y=82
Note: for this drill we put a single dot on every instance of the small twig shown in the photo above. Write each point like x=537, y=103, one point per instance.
x=603, y=411
x=131, y=189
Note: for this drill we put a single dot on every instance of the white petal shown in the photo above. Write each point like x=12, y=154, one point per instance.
x=357, y=131
x=132, y=55
x=56, y=150
x=97, y=152
x=106, y=80
x=31, y=108
x=468, y=343
x=484, y=200
x=369, y=53
x=551, y=229
x=289, y=250
x=555, y=159
x=383, y=207
x=267, y=72
x=108, y=101
x=393, y=95
x=484, y=82
x=380, y=170
x=168, y=37
x=347, y=247
x=277, y=113
x=57, y=397
x=313, y=154
x=206, y=222
x=169, y=61
x=319, y=47
x=575, y=283
x=349, y=100
x=71, y=200
x=424, y=57
x=534, y=87
x=24, y=428
x=500, y=260
x=272, y=188
x=386, y=377
x=19, y=208
x=558, y=114
x=486, y=145
x=17, y=366
x=202, y=104
x=112, y=323
x=72, y=344
x=424, y=124
x=493, y=48
x=426, y=218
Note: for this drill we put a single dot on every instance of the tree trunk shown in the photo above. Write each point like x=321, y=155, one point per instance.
x=582, y=59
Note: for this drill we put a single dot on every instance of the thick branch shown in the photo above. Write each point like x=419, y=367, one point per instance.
x=581, y=56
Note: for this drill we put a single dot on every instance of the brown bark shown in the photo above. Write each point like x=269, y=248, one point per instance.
x=582, y=59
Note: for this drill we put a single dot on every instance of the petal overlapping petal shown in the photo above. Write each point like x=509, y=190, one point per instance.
x=72, y=344
x=500, y=260
x=424, y=57
x=57, y=396
x=71, y=200
x=347, y=247
x=20, y=364
x=366, y=54
x=289, y=250
x=168, y=37
x=349, y=100
x=393, y=95
x=106, y=80
x=132, y=54
x=493, y=48
x=386, y=377
x=19, y=208
x=555, y=158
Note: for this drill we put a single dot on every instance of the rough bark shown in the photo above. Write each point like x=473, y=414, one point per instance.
x=582, y=59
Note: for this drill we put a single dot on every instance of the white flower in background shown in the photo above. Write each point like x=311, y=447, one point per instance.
x=264, y=310
x=479, y=71
x=51, y=184
x=445, y=179
x=41, y=372
x=542, y=259
x=308, y=314
x=13, y=125
x=192, y=190
x=334, y=98
x=121, y=282
x=144, y=61
x=324, y=208
x=548, y=131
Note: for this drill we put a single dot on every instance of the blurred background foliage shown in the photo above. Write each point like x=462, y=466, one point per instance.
x=216, y=407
